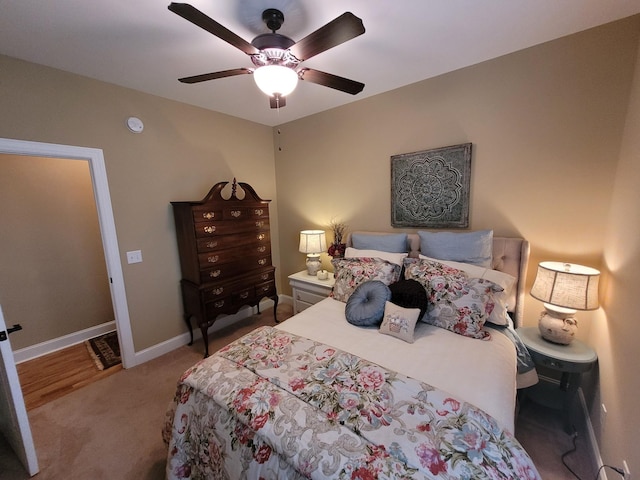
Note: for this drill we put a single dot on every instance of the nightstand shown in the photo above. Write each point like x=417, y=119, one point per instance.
x=571, y=361
x=308, y=289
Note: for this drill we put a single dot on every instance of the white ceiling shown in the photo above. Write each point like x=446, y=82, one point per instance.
x=140, y=44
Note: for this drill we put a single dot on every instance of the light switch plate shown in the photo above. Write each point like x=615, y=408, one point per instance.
x=134, y=256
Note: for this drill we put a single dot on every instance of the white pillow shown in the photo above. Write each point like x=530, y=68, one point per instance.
x=396, y=258
x=499, y=315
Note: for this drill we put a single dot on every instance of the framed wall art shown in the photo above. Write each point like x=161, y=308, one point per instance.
x=431, y=188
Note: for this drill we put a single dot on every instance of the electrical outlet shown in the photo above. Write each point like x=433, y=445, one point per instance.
x=627, y=472
x=134, y=257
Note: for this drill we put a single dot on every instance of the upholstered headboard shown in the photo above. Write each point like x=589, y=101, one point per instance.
x=510, y=255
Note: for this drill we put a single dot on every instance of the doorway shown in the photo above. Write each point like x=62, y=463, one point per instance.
x=95, y=160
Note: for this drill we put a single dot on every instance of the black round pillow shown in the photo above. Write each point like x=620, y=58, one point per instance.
x=409, y=294
x=365, y=306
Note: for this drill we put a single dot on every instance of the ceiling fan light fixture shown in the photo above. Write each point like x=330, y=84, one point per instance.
x=276, y=79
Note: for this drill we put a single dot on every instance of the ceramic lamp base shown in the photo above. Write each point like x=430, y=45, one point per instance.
x=557, y=327
x=313, y=264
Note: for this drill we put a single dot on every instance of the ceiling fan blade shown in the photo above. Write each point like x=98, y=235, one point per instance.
x=198, y=18
x=277, y=101
x=212, y=76
x=331, y=81
x=343, y=28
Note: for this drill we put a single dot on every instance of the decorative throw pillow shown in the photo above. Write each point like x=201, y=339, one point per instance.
x=351, y=272
x=388, y=256
x=456, y=302
x=499, y=315
x=394, y=242
x=399, y=322
x=409, y=294
x=475, y=248
x=365, y=306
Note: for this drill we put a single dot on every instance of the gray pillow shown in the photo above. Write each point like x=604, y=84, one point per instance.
x=394, y=242
x=365, y=306
x=475, y=248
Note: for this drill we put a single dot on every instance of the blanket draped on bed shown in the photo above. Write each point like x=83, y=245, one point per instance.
x=275, y=405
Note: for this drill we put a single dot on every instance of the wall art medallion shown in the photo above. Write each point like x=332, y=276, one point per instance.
x=431, y=188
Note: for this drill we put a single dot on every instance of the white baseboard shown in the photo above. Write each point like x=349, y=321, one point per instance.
x=183, y=339
x=50, y=346
x=591, y=437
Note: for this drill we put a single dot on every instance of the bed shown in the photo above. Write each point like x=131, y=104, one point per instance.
x=323, y=395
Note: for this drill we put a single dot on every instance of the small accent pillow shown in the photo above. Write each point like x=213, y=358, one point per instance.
x=399, y=322
x=397, y=258
x=475, y=248
x=409, y=294
x=365, y=306
x=499, y=315
x=394, y=242
x=456, y=302
x=351, y=272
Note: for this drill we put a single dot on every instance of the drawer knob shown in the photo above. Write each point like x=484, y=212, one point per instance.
x=262, y=249
x=244, y=295
x=260, y=236
x=264, y=276
x=236, y=213
x=218, y=291
x=215, y=273
x=259, y=211
x=259, y=224
x=219, y=303
x=208, y=215
x=262, y=261
x=209, y=229
x=213, y=258
x=213, y=244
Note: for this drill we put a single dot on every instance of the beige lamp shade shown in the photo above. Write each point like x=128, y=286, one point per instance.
x=567, y=285
x=312, y=241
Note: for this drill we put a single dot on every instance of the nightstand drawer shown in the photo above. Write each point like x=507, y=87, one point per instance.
x=559, y=365
x=308, y=297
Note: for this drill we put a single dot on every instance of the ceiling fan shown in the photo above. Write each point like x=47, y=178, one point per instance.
x=277, y=57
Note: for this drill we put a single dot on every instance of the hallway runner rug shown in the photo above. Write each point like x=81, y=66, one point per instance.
x=104, y=350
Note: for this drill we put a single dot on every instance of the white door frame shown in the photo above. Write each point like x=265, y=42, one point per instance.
x=107, y=226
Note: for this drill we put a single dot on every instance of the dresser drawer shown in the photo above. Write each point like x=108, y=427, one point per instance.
x=217, y=242
x=208, y=229
x=206, y=214
x=218, y=257
x=265, y=289
x=226, y=271
x=243, y=213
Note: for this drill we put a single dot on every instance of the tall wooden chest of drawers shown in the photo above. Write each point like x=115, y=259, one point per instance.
x=225, y=255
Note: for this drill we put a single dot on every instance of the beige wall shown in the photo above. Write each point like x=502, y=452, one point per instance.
x=54, y=280
x=546, y=125
x=616, y=336
x=182, y=152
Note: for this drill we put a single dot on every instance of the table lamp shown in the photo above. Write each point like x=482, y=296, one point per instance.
x=313, y=243
x=564, y=288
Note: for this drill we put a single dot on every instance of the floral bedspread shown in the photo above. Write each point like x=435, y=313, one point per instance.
x=273, y=405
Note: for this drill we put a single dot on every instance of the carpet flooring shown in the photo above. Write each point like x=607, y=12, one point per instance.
x=112, y=428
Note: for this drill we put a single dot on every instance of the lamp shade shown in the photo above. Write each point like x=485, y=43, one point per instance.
x=275, y=79
x=567, y=285
x=312, y=241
